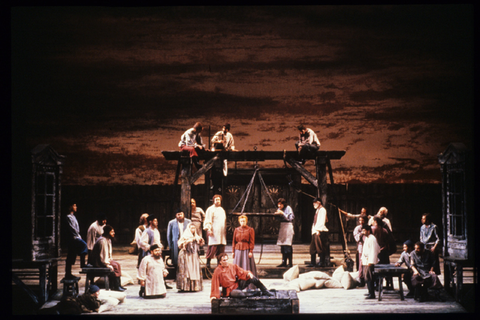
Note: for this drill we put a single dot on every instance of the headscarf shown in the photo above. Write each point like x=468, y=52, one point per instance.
x=187, y=235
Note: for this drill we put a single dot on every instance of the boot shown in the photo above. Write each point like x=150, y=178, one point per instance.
x=371, y=291
x=284, y=263
x=117, y=285
x=141, y=293
x=321, y=262
x=262, y=287
x=82, y=262
x=208, y=263
x=312, y=261
x=289, y=259
x=68, y=271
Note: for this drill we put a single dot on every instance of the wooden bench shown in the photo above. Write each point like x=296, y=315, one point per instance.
x=91, y=273
x=383, y=271
x=284, y=301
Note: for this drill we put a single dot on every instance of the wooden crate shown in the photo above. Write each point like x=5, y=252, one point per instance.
x=284, y=301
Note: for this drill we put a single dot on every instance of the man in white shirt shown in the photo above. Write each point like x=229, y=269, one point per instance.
x=223, y=139
x=307, y=143
x=94, y=232
x=215, y=225
x=320, y=243
x=370, y=253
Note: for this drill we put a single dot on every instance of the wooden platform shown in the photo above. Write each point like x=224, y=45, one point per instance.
x=283, y=302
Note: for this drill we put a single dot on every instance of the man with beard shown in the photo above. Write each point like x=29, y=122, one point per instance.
x=216, y=228
x=102, y=257
x=151, y=274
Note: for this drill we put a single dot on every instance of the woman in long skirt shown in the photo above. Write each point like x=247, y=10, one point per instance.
x=286, y=232
x=189, y=273
x=243, y=243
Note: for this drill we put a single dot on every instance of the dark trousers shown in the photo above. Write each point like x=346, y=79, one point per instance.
x=369, y=279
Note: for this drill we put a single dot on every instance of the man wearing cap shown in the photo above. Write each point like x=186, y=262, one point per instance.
x=94, y=232
x=175, y=230
x=320, y=243
x=85, y=303
x=151, y=274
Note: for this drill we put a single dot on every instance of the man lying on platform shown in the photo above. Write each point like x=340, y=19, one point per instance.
x=231, y=277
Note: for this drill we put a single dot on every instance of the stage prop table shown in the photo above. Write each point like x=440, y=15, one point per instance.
x=389, y=270
x=284, y=301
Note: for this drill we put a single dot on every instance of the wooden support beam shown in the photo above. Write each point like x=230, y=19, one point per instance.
x=304, y=172
x=256, y=155
x=322, y=179
x=207, y=166
x=186, y=187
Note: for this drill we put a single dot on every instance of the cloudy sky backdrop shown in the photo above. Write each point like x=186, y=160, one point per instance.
x=110, y=88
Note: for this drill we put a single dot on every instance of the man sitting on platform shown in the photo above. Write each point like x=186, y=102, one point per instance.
x=424, y=277
x=307, y=143
x=231, y=277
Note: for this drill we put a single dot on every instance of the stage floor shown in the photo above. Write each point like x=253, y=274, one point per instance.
x=329, y=301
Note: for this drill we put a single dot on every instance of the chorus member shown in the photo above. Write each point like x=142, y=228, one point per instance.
x=286, y=232
x=191, y=141
x=379, y=230
x=198, y=216
x=216, y=227
x=223, y=139
x=243, y=243
x=382, y=213
x=102, y=257
x=424, y=276
x=94, y=232
x=369, y=259
x=143, y=224
x=320, y=243
x=405, y=258
x=189, y=273
x=429, y=237
x=151, y=274
x=360, y=239
x=175, y=229
x=76, y=245
x=307, y=143
x=231, y=277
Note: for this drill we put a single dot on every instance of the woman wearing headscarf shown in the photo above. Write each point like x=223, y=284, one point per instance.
x=189, y=273
x=243, y=243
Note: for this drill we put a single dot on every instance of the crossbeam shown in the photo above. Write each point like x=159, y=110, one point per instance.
x=255, y=155
x=254, y=213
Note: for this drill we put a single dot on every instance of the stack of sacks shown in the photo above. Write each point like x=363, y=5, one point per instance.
x=110, y=299
x=293, y=280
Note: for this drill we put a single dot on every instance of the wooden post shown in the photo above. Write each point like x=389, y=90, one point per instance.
x=321, y=165
x=186, y=189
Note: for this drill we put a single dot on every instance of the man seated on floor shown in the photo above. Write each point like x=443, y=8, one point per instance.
x=424, y=277
x=231, y=277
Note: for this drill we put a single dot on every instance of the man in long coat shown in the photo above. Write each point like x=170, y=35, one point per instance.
x=175, y=229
